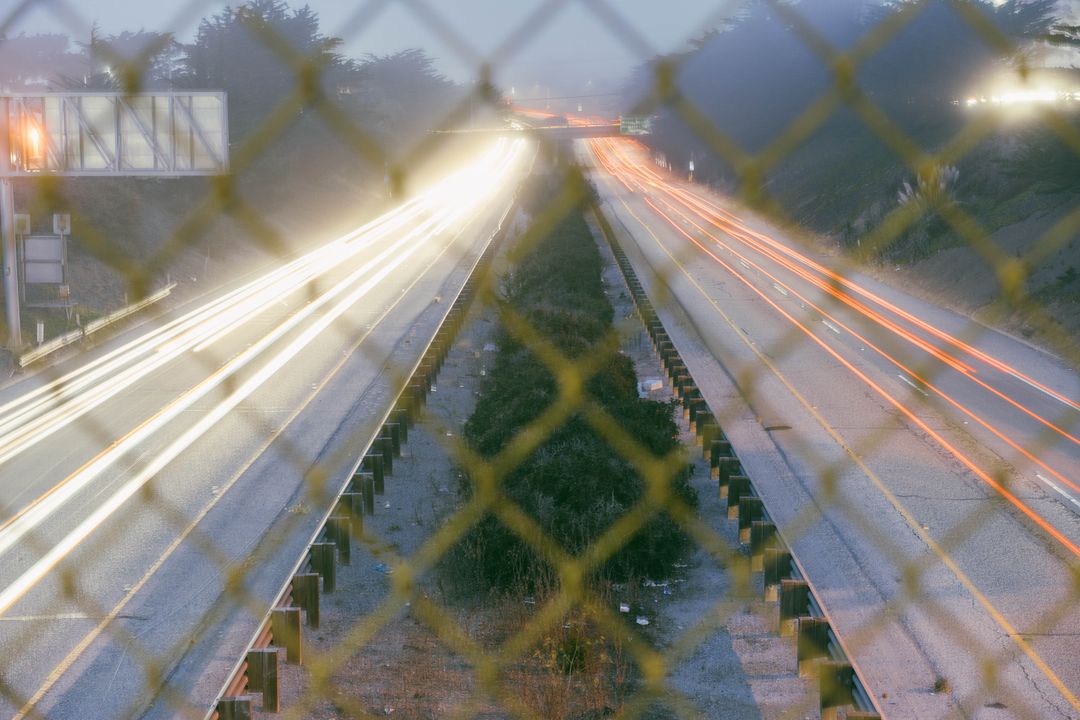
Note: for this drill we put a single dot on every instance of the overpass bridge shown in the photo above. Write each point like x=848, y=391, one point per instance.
x=558, y=128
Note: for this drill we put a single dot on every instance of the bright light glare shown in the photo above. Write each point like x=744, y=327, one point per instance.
x=1019, y=97
x=436, y=216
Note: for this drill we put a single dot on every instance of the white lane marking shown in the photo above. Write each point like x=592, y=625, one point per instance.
x=832, y=327
x=780, y=289
x=1060, y=492
x=909, y=382
x=1042, y=390
x=744, y=264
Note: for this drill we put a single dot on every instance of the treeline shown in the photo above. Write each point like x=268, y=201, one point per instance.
x=263, y=53
x=575, y=484
x=758, y=73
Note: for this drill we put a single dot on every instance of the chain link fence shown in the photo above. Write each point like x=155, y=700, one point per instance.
x=773, y=543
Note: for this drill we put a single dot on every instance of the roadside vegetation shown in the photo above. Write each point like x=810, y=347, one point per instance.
x=575, y=485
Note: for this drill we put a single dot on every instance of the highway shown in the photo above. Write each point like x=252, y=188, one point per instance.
x=198, y=451
x=925, y=469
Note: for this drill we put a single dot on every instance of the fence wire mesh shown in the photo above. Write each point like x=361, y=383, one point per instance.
x=747, y=211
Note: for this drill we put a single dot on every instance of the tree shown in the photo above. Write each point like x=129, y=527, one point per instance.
x=253, y=52
x=28, y=61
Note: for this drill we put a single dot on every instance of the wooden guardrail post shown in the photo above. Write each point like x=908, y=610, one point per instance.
x=794, y=603
x=234, y=708
x=836, y=686
x=727, y=467
x=812, y=642
x=750, y=509
x=373, y=463
x=393, y=430
x=287, y=630
x=385, y=445
x=738, y=488
x=338, y=531
x=306, y=594
x=352, y=506
x=776, y=565
x=262, y=675
x=367, y=490
x=402, y=419
x=324, y=562
x=762, y=535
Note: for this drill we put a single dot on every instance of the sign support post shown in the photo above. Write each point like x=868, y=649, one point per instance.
x=11, y=266
x=7, y=232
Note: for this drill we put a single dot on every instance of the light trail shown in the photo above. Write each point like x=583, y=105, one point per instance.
x=741, y=230
x=453, y=206
x=35, y=416
x=771, y=248
x=777, y=283
x=918, y=528
x=642, y=174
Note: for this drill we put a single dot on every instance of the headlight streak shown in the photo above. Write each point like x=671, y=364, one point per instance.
x=622, y=165
x=46, y=410
x=461, y=196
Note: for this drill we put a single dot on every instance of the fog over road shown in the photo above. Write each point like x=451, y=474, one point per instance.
x=926, y=469
x=137, y=479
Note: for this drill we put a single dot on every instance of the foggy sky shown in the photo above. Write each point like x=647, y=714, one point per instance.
x=573, y=48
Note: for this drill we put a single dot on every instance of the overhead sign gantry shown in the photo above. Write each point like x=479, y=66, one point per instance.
x=171, y=134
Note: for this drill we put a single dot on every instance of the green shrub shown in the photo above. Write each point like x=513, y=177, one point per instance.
x=575, y=485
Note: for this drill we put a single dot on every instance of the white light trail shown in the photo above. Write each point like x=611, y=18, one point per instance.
x=30, y=419
x=447, y=207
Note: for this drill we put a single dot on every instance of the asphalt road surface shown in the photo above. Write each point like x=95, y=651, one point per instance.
x=138, y=480
x=925, y=469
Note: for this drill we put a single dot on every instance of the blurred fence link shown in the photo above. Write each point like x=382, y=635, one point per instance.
x=225, y=197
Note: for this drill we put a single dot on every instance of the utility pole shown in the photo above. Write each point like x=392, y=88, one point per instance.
x=7, y=231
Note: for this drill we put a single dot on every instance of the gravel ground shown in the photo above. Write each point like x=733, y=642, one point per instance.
x=736, y=666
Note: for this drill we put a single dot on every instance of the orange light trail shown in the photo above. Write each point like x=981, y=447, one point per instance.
x=650, y=178
x=731, y=223
x=742, y=233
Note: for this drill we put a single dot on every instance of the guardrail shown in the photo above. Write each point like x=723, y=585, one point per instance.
x=299, y=599
x=74, y=336
x=819, y=648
